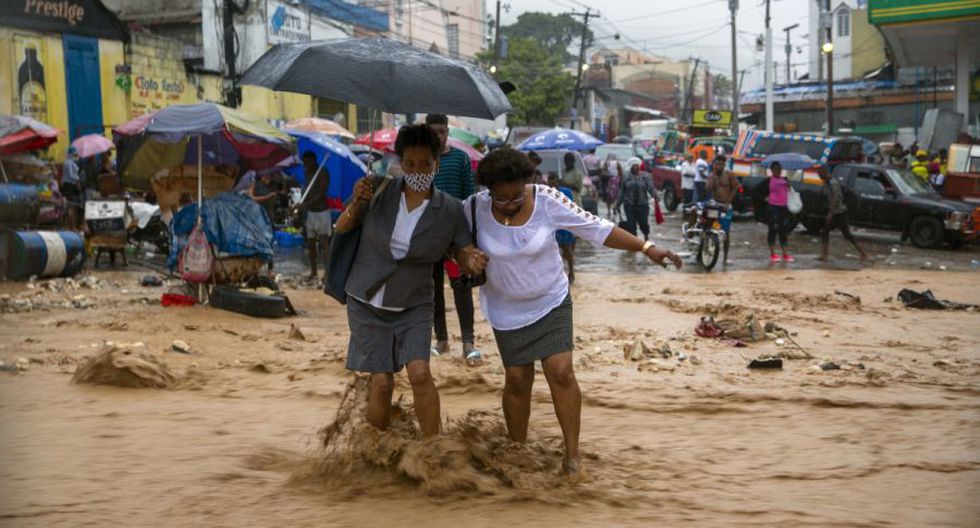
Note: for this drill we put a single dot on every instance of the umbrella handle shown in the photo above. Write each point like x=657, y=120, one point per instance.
x=315, y=176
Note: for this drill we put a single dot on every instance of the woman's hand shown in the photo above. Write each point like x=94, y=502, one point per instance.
x=662, y=256
x=472, y=261
x=363, y=190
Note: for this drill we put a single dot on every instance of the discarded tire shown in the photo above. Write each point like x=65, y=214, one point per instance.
x=250, y=303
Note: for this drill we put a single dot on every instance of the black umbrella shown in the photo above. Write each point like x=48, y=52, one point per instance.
x=382, y=74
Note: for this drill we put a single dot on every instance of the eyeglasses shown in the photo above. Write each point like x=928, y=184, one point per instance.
x=504, y=203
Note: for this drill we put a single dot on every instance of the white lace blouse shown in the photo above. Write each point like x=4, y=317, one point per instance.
x=525, y=274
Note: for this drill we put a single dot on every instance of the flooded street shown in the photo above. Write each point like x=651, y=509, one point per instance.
x=749, y=251
x=688, y=437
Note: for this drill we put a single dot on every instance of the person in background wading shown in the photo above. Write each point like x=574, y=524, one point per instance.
x=531, y=313
x=318, y=222
x=455, y=178
x=634, y=194
x=409, y=228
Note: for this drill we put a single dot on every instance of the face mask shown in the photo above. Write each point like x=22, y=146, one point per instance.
x=419, y=181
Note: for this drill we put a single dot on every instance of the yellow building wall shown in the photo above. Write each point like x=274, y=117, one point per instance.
x=867, y=45
x=115, y=111
x=271, y=105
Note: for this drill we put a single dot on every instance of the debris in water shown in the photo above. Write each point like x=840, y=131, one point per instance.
x=180, y=346
x=295, y=333
x=125, y=368
x=766, y=362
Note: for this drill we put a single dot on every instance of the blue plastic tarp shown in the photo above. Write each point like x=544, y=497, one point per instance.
x=236, y=225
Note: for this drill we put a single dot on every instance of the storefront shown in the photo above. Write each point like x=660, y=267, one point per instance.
x=57, y=65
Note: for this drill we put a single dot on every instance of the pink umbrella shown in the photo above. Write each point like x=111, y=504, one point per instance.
x=91, y=144
x=382, y=138
x=475, y=155
x=135, y=125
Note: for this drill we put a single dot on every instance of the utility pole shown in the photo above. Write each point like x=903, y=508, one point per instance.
x=689, y=90
x=736, y=81
x=496, y=35
x=789, y=52
x=769, y=70
x=581, y=57
x=828, y=49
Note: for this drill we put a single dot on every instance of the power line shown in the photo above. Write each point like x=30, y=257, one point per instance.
x=669, y=11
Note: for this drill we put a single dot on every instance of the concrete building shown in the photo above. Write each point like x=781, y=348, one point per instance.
x=224, y=38
x=859, y=48
x=629, y=85
x=455, y=28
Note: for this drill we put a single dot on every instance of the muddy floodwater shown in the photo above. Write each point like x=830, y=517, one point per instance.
x=259, y=424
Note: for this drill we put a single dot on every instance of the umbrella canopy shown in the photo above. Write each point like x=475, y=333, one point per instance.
x=91, y=145
x=317, y=124
x=382, y=138
x=466, y=136
x=560, y=138
x=790, y=161
x=343, y=165
x=23, y=134
x=170, y=138
x=382, y=74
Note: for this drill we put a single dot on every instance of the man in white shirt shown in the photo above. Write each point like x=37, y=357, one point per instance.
x=687, y=178
x=701, y=173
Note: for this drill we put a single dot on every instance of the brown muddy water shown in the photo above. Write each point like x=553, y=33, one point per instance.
x=260, y=426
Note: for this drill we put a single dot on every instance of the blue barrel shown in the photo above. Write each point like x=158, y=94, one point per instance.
x=19, y=205
x=40, y=253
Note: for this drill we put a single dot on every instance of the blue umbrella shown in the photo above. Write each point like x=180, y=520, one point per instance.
x=790, y=161
x=345, y=168
x=560, y=138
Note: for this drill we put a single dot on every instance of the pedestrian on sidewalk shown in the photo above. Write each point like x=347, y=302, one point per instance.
x=836, y=215
x=455, y=178
x=406, y=231
x=612, y=175
x=526, y=297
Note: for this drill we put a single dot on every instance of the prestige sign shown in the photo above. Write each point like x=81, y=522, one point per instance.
x=87, y=18
x=68, y=11
x=712, y=118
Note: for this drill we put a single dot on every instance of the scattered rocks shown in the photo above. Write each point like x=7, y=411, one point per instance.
x=636, y=350
x=829, y=365
x=180, y=347
x=261, y=368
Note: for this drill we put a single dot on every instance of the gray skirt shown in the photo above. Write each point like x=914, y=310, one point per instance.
x=550, y=335
x=384, y=341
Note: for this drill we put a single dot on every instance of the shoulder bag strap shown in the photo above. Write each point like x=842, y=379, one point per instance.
x=473, y=218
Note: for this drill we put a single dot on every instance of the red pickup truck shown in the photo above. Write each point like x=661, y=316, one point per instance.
x=668, y=181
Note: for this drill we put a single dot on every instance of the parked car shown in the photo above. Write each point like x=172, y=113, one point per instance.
x=892, y=199
x=623, y=152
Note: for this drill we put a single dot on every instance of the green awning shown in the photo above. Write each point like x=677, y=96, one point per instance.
x=875, y=129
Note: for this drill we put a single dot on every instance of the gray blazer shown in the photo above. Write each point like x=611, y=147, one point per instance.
x=409, y=280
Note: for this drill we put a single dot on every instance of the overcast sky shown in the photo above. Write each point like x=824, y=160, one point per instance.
x=689, y=28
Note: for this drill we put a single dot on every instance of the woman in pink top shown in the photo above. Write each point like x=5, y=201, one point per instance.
x=778, y=214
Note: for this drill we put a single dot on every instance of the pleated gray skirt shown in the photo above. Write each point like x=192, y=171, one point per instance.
x=550, y=335
x=384, y=341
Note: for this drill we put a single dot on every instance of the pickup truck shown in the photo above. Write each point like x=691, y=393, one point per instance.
x=891, y=199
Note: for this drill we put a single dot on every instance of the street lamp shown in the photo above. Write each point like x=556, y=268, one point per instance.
x=828, y=50
x=585, y=67
x=493, y=69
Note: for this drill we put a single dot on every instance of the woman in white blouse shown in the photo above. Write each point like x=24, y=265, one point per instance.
x=526, y=296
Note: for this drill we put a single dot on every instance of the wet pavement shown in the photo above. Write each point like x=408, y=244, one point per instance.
x=749, y=250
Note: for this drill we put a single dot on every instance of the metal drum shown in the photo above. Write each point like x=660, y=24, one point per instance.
x=19, y=205
x=40, y=253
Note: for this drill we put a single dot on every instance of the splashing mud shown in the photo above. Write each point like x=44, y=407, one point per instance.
x=473, y=456
x=125, y=368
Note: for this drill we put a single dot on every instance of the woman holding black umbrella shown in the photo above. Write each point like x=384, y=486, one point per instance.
x=405, y=230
